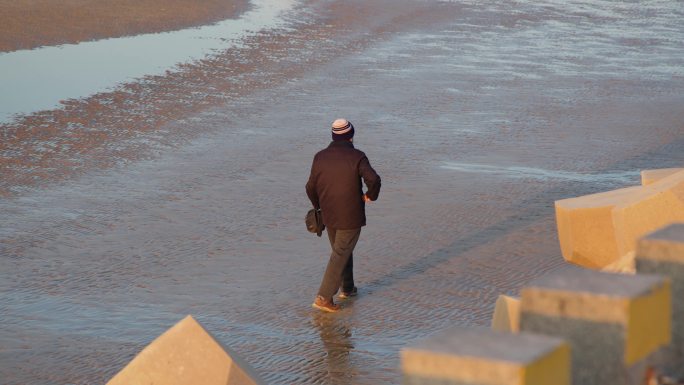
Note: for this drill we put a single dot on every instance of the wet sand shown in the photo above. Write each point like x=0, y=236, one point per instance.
x=184, y=194
x=35, y=23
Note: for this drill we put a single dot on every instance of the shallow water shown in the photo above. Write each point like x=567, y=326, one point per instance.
x=39, y=79
x=542, y=174
x=476, y=117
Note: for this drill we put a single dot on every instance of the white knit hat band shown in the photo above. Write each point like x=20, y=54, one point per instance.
x=341, y=126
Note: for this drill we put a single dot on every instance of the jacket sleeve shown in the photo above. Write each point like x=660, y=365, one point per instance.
x=370, y=178
x=311, y=188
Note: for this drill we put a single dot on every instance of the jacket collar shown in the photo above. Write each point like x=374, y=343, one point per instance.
x=341, y=143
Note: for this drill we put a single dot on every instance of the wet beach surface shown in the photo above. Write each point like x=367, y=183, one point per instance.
x=184, y=194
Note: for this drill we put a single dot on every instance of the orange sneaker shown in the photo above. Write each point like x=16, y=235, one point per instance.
x=321, y=303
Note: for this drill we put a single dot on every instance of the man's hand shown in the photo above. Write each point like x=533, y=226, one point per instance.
x=365, y=198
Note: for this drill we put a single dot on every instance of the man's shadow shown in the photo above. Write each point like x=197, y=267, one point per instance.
x=533, y=208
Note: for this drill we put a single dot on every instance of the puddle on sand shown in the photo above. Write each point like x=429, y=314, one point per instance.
x=34, y=80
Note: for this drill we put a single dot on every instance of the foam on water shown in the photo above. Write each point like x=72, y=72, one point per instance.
x=544, y=174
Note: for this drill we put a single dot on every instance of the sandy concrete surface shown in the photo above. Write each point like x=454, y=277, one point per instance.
x=598, y=230
x=470, y=355
x=184, y=193
x=34, y=23
x=186, y=354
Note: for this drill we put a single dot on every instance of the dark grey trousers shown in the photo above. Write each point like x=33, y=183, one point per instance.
x=339, y=273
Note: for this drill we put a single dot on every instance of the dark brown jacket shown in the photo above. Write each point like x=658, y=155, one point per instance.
x=335, y=187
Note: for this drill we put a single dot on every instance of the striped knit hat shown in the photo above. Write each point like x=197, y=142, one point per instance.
x=342, y=129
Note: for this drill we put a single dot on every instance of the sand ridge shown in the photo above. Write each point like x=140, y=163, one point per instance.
x=34, y=23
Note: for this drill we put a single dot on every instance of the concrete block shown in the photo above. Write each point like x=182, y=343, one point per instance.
x=599, y=229
x=479, y=356
x=652, y=176
x=506, y=317
x=615, y=323
x=625, y=264
x=186, y=354
x=662, y=252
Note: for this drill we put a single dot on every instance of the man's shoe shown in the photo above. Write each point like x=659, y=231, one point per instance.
x=323, y=304
x=346, y=294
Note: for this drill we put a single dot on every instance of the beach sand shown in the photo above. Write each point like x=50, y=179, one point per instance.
x=184, y=193
x=34, y=23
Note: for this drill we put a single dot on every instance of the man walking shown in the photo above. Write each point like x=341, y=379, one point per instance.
x=335, y=188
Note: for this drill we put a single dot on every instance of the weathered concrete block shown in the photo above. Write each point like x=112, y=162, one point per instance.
x=506, y=317
x=597, y=230
x=478, y=356
x=186, y=354
x=652, y=176
x=624, y=264
x=586, y=229
x=662, y=252
x=613, y=322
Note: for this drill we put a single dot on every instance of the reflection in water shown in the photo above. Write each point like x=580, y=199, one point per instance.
x=336, y=333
